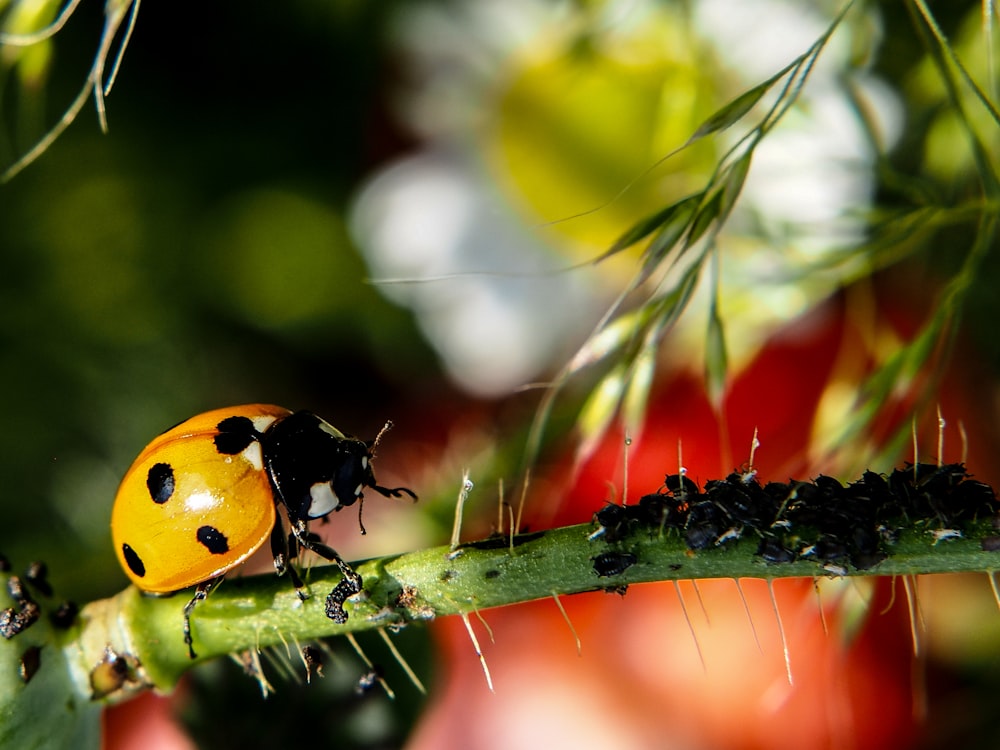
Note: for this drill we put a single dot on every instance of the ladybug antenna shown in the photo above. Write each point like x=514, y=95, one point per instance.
x=378, y=438
x=388, y=491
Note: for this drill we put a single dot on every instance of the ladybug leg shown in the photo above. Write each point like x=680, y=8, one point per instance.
x=203, y=590
x=347, y=587
x=283, y=550
x=394, y=491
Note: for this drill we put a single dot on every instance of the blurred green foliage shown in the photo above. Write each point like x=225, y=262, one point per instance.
x=195, y=256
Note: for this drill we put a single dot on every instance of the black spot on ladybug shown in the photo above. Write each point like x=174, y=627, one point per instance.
x=160, y=482
x=235, y=435
x=213, y=540
x=613, y=563
x=134, y=562
x=31, y=660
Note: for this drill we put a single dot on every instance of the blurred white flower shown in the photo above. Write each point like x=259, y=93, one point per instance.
x=446, y=210
x=430, y=217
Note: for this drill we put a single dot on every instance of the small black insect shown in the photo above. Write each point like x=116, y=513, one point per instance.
x=658, y=510
x=611, y=522
x=64, y=615
x=828, y=549
x=113, y=673
x=745, y=504
x=651, y=510
x=14, y=620
x=774, y=552
x=705, y=522
x=972, y=498
x=37, y=575
x=701, y=537
x=609, y=564
x=680, y=485
x=313, y=658
x=30, y=661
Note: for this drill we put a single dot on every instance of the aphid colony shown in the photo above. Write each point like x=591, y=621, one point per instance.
x=822, y=520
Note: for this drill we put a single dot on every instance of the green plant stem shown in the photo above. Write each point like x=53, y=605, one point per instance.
x=260, y=611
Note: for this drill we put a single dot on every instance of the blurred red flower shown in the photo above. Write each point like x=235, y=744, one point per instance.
x=639, y=681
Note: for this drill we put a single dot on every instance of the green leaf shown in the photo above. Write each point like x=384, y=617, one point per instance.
x=609, y=339
x=732, y=187
x=716, y=359
x=707, y=213
x=640, y=383
x=646, y=226
x=600, y=409
x=734, y=111
x=668, y=236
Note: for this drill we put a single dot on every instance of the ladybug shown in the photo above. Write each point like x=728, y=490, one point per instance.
x=204, y=496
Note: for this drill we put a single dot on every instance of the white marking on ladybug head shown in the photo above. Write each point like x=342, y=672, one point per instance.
x=252, y=453
x=261, y=423
x=323, y=500
x=364, y=462
x=358, y=490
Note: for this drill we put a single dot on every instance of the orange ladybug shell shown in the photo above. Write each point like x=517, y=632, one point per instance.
x=185, y=512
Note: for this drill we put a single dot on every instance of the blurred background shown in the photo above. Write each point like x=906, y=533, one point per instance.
x=389, y=211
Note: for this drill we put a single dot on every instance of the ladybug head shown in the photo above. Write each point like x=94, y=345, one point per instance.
x=315, y=469
x=354, y=474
